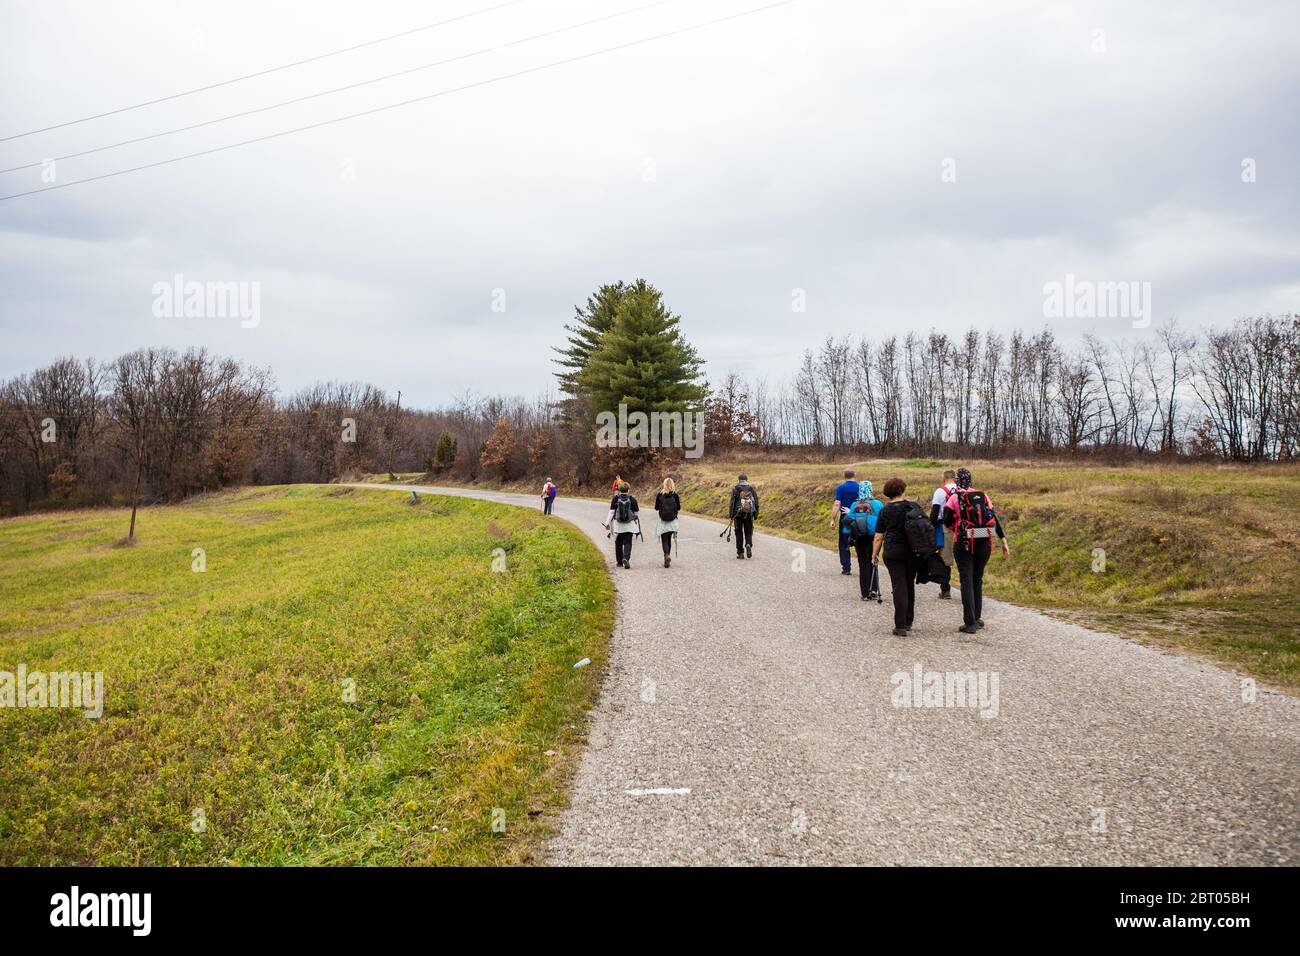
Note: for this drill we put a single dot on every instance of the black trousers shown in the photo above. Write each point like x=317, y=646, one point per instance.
x=862, y=545
x=623, y=547
x=970, y=558
x=549, y=503
x=666, y=539
x=902, y=580
x=744, y=533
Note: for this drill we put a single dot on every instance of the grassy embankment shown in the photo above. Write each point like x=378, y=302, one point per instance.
x=1204, y=558
x=225, y=689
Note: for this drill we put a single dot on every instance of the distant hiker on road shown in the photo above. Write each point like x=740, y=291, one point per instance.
x=623, y=522
x=896, y=535
x=667, y=506
x=618, y=480
x=860, y=526
x=970, y=515
x=846, y=495
x=743, y=511
x=549, y=491
x=944, y=541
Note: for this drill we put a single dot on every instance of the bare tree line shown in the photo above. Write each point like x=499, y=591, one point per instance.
x=1230, y=394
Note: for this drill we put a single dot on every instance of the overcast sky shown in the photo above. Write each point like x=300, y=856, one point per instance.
x=800, y=148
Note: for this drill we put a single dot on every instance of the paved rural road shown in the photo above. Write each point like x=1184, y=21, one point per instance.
x=746, y=718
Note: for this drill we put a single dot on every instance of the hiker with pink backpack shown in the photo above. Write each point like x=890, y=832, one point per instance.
x=970, y=518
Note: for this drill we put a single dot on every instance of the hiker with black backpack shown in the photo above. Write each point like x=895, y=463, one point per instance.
x=906, y=537
x=972, y=521
x=860, y=526
x=623, y=522
x=743, y=511
x=667, y=507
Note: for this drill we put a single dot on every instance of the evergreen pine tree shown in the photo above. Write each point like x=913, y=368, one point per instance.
x=642, y=361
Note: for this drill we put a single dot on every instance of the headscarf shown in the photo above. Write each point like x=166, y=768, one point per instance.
x=964, y=478
x=865, y=491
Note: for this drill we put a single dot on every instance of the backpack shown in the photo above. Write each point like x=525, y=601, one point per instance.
x=919, y=532
x=623, y=509
x=745, y=505
x=975, y=517
x=551, y=490
x=668, y=507
x=861, y=519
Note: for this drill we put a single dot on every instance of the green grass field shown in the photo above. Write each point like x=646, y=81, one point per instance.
x=1202, y=558
x=225, y=689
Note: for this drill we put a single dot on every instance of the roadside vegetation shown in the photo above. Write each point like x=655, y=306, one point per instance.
x=1201, y=558
x=226, y=689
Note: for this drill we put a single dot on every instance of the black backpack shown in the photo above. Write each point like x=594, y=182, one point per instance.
x=669, y=505
x=918, y=531
x=623, y=508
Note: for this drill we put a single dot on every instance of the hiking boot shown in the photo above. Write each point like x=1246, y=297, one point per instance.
x=900, y=632
x=749, y=552
x=667, y=560
x=739, y=556
x=945, y=594
x=846, y=572
x=980, y=622
x=968, y=629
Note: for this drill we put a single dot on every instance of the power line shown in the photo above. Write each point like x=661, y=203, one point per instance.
x=391, y=106
x=338, y=89
x=269, y=70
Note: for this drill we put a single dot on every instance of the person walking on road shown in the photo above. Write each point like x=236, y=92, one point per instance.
x=667, y=507
x=891, y=539
x=743, y=511
x=944, y=541
x=846, y=495
x=860, y=526
x=973, y=522
x=549, y=491
x=623, y=522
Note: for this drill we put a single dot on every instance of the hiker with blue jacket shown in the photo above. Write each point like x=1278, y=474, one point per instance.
x=860, y=529
x=623, y=522
x=944, y=541
x=846, y=495
x=743, y=511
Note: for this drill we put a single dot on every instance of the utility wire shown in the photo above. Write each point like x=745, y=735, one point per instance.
x=338, y=89
x=269, y=70
x=418, y=99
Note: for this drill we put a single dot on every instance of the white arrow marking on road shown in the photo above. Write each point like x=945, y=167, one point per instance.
x=658, y=792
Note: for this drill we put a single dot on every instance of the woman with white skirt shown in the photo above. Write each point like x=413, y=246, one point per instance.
x=667, y=506
x=623, y=522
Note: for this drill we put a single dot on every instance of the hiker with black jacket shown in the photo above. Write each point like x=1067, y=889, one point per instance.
x=743, y=511
x=972, y=522
x=667, y=507
x=623, y=522
x=900, y=559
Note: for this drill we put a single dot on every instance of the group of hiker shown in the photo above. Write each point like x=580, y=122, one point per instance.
x=918, y=548
x=915, y=547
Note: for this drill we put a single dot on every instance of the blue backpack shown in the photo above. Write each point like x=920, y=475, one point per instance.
x=861, y=519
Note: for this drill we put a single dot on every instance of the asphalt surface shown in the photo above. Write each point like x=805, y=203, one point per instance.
x=751, y=715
